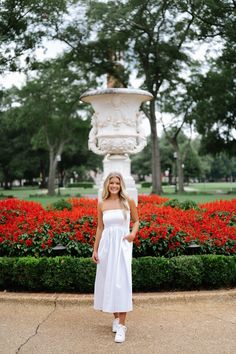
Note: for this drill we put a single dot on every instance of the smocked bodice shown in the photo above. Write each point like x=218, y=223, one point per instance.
x=116, y=218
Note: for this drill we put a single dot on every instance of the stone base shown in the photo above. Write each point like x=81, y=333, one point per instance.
x=121, y=164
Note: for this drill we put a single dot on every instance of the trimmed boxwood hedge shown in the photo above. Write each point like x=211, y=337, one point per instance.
x=81, y=185
x=71, y=274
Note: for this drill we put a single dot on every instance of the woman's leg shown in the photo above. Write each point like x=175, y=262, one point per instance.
x=122, y=316
x=116, y=314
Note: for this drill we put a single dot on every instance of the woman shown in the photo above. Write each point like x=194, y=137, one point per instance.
x=113, y=252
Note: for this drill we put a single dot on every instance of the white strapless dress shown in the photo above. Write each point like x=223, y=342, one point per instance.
x=113, y=283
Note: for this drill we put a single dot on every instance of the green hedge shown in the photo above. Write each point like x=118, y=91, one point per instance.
x=146, y=184
x=81, y=185
x=149, y=273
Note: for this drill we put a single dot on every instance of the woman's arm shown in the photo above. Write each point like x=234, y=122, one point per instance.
x=100, y=228
x=135, y=220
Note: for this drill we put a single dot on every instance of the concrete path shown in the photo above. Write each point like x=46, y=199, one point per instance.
x=162, y=323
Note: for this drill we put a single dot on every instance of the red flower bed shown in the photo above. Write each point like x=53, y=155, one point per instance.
x=26, y=228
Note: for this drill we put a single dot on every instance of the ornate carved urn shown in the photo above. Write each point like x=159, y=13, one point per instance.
x=116, y=129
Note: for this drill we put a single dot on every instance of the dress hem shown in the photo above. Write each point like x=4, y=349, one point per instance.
x=112, y=311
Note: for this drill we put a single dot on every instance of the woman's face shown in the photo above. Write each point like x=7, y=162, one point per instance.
x=114, y=185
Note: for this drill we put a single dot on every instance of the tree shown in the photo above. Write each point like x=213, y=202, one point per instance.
x=76, y=157
x=189, y=157
x=222, y=167
x=50, y=103
x=215, y=91
x=141, y=162
x=23, y=25
x=17, y=159
x=151, y=37
x=193, y=167
x=172, y=135
x=215, y=111
x=176, y=101
x=192, y=163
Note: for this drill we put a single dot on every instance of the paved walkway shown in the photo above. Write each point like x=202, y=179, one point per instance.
x=162, y=323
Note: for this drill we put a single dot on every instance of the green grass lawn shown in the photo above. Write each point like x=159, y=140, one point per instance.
x=198, y=192
x=208, y=188
x=201, y=198
x=40, y=196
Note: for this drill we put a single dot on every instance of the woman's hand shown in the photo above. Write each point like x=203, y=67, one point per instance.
x=95, y=257
x=130, y=237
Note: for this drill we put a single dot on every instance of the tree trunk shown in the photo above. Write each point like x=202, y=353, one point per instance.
x=53, y=162
x=43, y=183
x=156, y=161
x=52, y=172
x=179, y=167
x=7, y=185
x=180, y=174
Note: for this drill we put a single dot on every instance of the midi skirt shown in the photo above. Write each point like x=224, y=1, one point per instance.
x=113, y=283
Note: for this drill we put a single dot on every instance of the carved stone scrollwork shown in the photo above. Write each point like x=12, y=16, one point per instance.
x=92, y=142
x=117, y=122
x=118, y=145
x=102, y=144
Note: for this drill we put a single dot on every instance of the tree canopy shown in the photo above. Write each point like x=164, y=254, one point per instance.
x=154, y=42
x=23, y=25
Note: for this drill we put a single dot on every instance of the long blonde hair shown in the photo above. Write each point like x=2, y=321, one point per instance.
x=124, y=198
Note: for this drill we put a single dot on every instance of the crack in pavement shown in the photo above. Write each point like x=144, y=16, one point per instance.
x=37, y=328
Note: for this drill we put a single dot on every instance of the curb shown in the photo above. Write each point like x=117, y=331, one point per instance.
x=185, y=296
x=138, y=298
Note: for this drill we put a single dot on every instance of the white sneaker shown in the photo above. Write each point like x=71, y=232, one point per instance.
x=115, y=323
x=120, y=333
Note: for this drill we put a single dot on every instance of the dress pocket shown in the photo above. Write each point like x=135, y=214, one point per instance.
x=126, y=244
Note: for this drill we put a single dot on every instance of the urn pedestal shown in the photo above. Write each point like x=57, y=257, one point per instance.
x=116, y=130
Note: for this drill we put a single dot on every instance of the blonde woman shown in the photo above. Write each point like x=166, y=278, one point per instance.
x=113, y=252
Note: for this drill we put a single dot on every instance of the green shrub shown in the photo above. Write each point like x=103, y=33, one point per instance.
x=5, y=196
x=6, y=272
x=185, y=204
x=146, y=184
x=187, y=272
x=188, y=204
x=173, y=203
x=219, y=270
x=81, y=185
x=71, y=274
x=47, y=274
x=27, y=273
x=59, y=274
x=61, y=204
x=31, y=183
x=84, y=274
x=165, y=183
x=151, y=274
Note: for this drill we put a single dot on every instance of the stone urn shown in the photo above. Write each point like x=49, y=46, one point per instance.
x=116, y=129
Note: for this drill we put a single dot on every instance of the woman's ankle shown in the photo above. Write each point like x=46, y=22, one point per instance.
x=122, y=323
